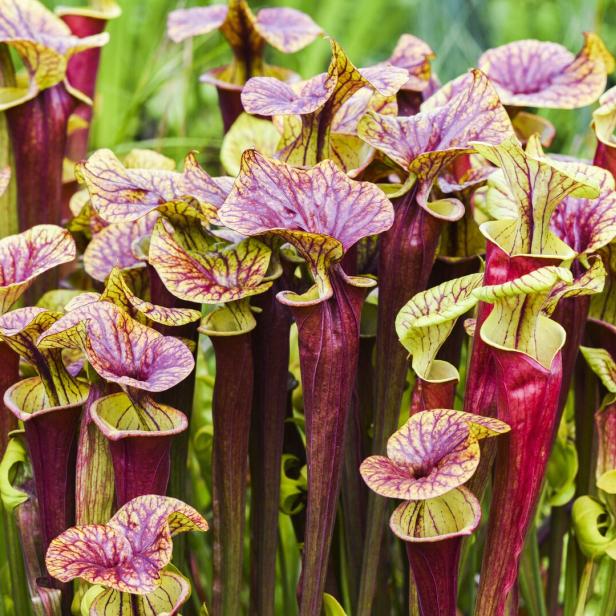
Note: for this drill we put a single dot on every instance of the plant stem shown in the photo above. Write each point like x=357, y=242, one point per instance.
x=9, y=360
x=435, y=570
x=230, y=104
x=607, y=600
x=94, y=478
x=571, y=313
x=571, y=576
x=271, y=361
x=38, y=130
x=585, y=406
x=52, y=446
x=232, y=406
x=354, y=493
x=584, y=587
x=559, y=523
x=19, y=587
x=44, y=601
x=530, y=576
x=328, y=344
x=406, y=256
x=38, y=136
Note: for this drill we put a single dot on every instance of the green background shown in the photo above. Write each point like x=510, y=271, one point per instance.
x=149, y=91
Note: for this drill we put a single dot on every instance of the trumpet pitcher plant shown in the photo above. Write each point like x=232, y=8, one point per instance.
x=372, y=300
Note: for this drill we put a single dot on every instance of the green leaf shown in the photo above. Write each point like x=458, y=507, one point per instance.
x=247, y=132
x=590, y=282
x=331, y=607
x=562, y=470
x=604, y=118
x=425, y=321
x=603, y=365
x=57, y=299
x=607, y=482
x=603, y=305
x=516, y=323
x=594, y=531
x=535, y=185
x=12, y=466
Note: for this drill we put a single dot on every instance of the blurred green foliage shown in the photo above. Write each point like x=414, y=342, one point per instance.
x=149, y=92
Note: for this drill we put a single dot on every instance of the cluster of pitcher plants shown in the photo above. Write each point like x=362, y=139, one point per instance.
x=405, y=301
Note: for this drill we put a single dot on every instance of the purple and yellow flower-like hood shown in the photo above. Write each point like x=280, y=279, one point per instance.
x=285, y=29
x=320, y=211
x=45, y=44
x=434, y=452
x=128, y=553
x=118, y=347
x=27, y=255
x=532, y=73
x=317, y=115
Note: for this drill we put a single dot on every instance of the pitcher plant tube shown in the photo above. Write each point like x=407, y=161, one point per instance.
x=420, y=146
x=528, y=372
x=584, y=224
x=24, y=257
x=139, y=360
x=428, y=461
x=322, y=213
x=519, y=234
x=40, y=104
x=50, y=406
x=270, y=342
x=227, y=275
